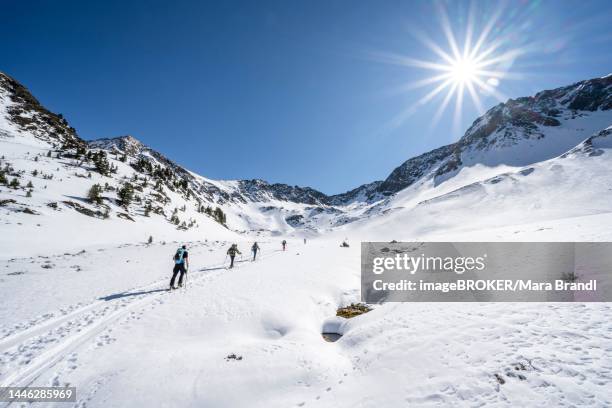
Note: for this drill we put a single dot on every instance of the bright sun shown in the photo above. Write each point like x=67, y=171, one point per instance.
x=476, y=68
x=463, y=71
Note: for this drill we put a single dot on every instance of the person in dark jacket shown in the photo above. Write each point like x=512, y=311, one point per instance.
x=232, y=254
x=181, y=264
x=254, y=249
x=284, y=244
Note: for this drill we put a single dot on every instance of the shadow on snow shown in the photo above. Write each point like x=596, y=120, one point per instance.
x=148, y=292
x=126, y=294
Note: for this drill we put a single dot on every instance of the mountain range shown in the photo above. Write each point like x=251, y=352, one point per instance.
x=55, y=170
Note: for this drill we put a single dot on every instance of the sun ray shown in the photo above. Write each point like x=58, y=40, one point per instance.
x=468, y=32
x=476, y=63
x=506, y=56
x=488, y=51
x=475, y=98
x=448, y=32
x=419, y=84
x=435, y=48
x=433, y=93
x=485, y=33
x=399, y=119
x=458, y=108
x=397, y=59
x=442, y=107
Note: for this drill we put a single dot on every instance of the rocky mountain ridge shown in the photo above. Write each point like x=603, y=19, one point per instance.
x=26, y=113
x=550, y=122
x=504, y=125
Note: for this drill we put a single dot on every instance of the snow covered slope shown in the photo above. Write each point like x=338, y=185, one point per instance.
x=508, y=168
x=41, y=148
x=47, y=208
x=577, y=184
x=517, y=133
x=53, y=170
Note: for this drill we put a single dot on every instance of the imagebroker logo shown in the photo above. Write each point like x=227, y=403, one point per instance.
x=486, y=272
x=412, y=264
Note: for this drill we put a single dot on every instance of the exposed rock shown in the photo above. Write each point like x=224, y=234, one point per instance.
x=84, y=210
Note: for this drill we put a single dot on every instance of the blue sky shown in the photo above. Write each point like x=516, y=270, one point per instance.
x=299, y=92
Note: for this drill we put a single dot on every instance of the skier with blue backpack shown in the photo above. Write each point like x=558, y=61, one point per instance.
x=181, y=264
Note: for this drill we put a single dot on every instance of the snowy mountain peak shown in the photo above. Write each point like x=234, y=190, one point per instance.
x=528, y=115
x=243, y=191
x=518, y=132
x=126, y=144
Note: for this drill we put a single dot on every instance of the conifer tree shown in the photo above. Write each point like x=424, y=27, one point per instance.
x=95, y=194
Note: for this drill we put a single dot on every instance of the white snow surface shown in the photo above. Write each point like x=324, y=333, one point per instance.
x=102, y=321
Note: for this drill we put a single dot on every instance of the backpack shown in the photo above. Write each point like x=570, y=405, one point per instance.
x=178, y=257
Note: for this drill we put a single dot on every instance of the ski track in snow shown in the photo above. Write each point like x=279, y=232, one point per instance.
x=36, y=349
x=441, y=355
x=435, y=354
